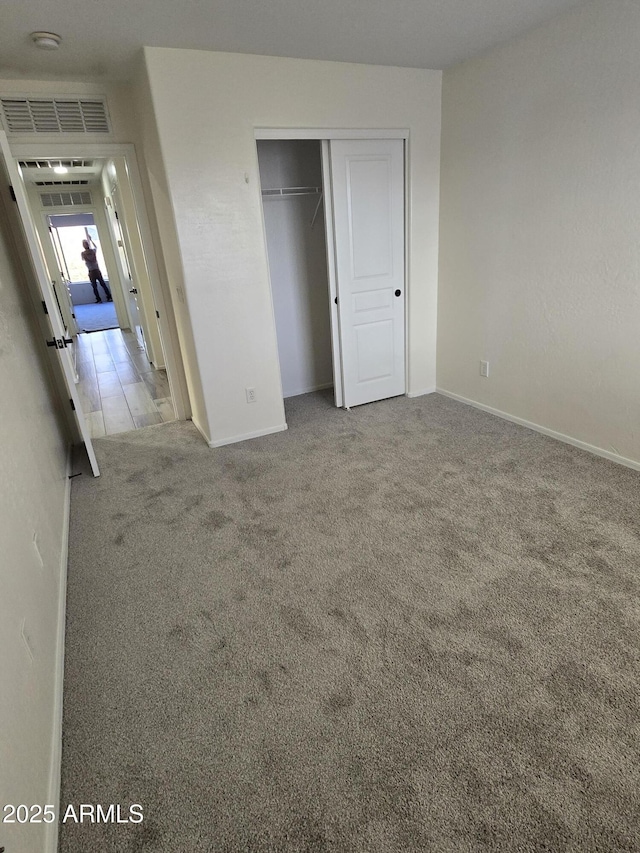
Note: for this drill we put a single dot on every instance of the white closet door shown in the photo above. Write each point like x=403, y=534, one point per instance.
x=44, y=283
x=367, y=181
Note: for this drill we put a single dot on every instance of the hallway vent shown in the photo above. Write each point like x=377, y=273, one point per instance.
x=55, y=115
x=65, y=199
x=60, y=183
x=51, y=164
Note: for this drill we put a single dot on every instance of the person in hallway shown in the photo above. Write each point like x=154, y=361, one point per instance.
x=95, y=276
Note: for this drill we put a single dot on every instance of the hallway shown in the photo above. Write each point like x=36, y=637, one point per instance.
x=119, y=389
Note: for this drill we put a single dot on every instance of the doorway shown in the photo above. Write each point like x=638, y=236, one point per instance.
x=114, y=383
x=73, y=236
x=335, y=232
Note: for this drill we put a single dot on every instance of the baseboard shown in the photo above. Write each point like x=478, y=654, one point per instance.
x=51, y=836
x=431, y=390
x=247, y=435
x=559, y=436
x=309, y=390
x=200, y=430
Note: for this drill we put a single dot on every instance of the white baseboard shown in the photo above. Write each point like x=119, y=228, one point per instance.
x=431, y=390
x=247, y=435
x=309, y=390
x=201, y=430
x=559, y=436
x=51, y=836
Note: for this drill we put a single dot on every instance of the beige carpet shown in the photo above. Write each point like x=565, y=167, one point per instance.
x=412, y=627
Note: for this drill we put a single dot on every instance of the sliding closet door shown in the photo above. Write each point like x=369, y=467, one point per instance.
x=367, y=184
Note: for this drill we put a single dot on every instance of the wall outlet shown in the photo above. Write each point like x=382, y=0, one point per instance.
x=251, y=395
x=484, y=368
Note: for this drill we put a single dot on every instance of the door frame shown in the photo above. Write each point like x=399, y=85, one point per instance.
x=94, y=210
x=324, y=135
x=116, y=235
x=38, y=262
x=108, y=150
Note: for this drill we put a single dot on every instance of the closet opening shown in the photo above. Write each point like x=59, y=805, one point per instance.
x=293, y=202
x=334, y=218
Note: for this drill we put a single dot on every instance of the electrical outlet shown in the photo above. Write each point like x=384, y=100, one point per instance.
x=484, y=368
x=251, y=395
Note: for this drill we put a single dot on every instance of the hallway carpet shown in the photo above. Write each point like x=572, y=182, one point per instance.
x=96, y=317
x=411, y=627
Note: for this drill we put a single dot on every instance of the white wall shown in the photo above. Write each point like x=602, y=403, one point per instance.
x=206, y=108
x=167, y=248
x=297, y=264
x=32, y=501
x=540, y=224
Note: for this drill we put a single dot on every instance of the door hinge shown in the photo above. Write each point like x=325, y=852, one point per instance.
x=44, y=307
x=73, y=405
x=13, y=195
x=158, y=314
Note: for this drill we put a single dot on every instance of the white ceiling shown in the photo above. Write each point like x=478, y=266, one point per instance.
x=102, y=37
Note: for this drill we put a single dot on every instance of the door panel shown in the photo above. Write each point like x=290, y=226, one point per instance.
x=367, y=182
x=368, y=187
x=374, y=344
x=44, y=284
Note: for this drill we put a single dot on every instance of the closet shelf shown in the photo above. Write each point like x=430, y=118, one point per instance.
x=282, y=191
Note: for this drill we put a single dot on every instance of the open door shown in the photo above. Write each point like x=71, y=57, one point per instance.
x=367, y=196
x=59, y=339
x=133, y=307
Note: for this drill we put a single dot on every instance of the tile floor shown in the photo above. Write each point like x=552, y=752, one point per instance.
x=119, y=389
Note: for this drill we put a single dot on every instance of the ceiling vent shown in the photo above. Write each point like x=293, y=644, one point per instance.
x=51, y=164
x=65, y=199
x=61, y=183
x=55, y=115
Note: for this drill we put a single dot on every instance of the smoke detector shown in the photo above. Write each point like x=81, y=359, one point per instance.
x=46, y=41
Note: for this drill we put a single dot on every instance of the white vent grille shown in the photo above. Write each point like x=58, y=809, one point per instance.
x=55, y=115
x=61, y=183
x=65, y=199
x=51, y=164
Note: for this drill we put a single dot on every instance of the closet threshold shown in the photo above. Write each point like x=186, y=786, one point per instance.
x=277, y=192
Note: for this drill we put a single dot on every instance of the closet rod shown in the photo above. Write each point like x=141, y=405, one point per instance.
x=280, y=191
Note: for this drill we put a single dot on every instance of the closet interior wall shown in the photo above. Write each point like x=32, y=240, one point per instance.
x=296, y=247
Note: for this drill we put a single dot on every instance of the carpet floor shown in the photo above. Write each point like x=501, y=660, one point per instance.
x=411, y=627
x=96, y=317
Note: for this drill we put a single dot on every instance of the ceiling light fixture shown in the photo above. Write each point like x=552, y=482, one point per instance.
x=60, y=170
x=46, y=41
